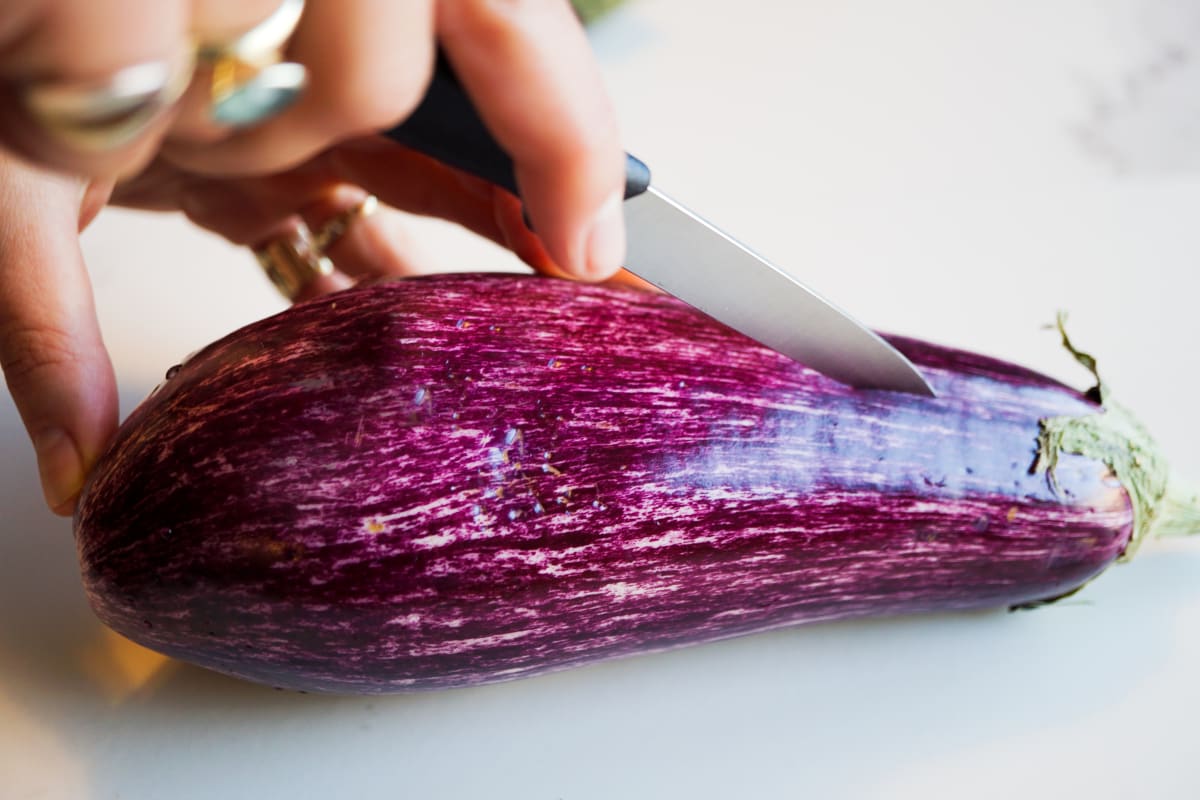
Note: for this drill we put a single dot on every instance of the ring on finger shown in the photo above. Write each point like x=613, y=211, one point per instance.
x=296, y=259
x=328, y=234
x=106, y=114
x=249, y=80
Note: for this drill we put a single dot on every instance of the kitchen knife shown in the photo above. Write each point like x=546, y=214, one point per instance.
x=679, y=252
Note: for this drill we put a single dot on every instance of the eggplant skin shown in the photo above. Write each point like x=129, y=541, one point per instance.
x=447, y=481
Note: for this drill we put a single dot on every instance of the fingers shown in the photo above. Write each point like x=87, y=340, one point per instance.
x=526, y=64
x=222, y=20
x=368, y=64
x=50, y=347
x=372, y=242
x=529, y=70
x=247, y=210
x=68, y=68
x=410, y=181
x=345, y=229
x=250, y=211
x=417, y=184
x=254, y=211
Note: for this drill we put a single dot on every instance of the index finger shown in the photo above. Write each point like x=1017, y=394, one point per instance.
x=529, y=70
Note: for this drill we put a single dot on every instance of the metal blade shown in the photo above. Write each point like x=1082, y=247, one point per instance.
x=688, y=257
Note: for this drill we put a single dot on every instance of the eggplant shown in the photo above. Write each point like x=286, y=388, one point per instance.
x=453, y=480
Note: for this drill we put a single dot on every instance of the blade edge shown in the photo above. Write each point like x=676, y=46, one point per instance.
x=690, y=258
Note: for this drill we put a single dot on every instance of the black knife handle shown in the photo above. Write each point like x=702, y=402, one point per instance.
x=447, y=127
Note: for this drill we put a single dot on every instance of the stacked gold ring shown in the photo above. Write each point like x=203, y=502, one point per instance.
x=296, y=259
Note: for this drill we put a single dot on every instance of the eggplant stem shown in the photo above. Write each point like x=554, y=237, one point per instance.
x=1179, y=512
x=591, y=10
x=1116, y=438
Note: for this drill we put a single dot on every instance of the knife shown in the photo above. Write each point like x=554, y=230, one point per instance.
x=684, y=255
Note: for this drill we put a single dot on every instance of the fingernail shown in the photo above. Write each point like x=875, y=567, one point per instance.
x=60, y=467
x=606, y=245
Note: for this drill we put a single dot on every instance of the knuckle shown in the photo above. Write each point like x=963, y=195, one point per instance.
x=590, y=145
x=367, y=100
x=28, y=351
x=584, y=151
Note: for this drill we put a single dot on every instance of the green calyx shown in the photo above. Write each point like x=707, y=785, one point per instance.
x=1116, y=438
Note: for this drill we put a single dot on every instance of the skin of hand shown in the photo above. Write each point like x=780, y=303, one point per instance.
x=525, y=63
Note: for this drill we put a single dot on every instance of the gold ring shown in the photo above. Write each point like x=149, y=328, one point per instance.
x=336, y=228
x=296, y=259
x=250, y=81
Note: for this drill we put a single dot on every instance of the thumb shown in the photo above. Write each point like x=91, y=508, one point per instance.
x=51, y=351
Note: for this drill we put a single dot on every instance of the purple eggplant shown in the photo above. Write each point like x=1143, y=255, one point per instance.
x=448, y=481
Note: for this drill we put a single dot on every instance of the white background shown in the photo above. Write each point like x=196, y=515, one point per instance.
x=955, y=170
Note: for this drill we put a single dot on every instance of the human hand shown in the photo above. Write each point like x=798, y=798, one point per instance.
x=526, y=66
x=51, y=350
x=305, y=165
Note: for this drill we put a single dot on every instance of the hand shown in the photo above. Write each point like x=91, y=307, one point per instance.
x=50, y=345
x=526, y=65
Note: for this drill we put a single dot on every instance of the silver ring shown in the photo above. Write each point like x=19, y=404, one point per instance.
x=250, y=81
x=103, y=115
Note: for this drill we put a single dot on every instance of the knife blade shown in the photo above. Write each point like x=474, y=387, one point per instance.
x=684, y=255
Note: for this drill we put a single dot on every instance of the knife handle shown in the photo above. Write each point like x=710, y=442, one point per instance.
x=446, y=127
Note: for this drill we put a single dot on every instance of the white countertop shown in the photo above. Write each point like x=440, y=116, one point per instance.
x=955, y=171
